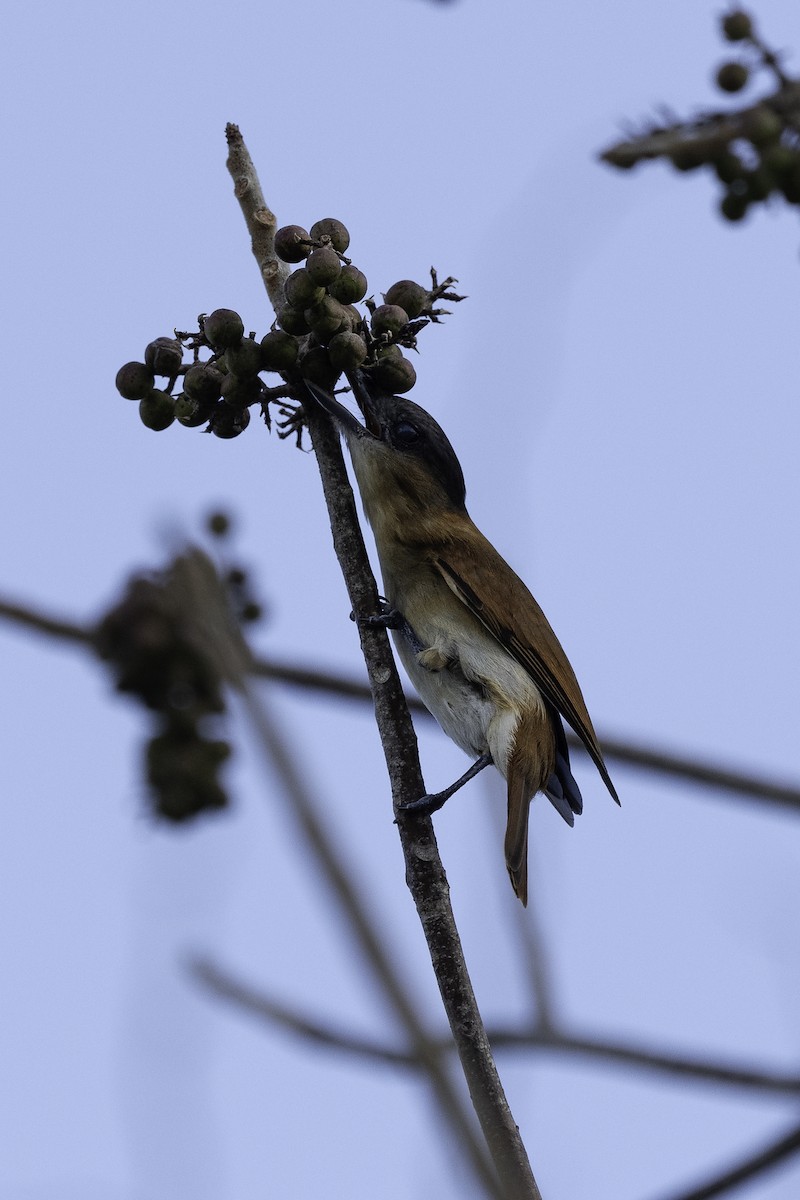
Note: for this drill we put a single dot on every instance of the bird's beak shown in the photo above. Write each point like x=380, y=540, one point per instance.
x=367, y=398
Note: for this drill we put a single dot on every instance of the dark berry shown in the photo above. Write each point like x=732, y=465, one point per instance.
x=229, y=422
x=323, y=265
x=218, y=523
x=347, y=351
x=203, y=383
x=395, y=374
x=278, y=351
x=291, y=320
x=733, y=206
x=408, y=295
x=732, y=77
x=190, y=412
x=157, y=409
x=301, y=291
x=332, y=229
x=134, y=380
x=244, y=361
x=349, y=286
x=164, y=356
x=223, y=328
x=291, y=243
x=325, y=318
x=388, y=318
x=737, y=26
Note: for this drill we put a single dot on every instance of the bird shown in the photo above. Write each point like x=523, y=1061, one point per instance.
x=473, y=640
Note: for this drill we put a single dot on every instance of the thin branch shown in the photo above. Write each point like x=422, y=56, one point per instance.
x=31, y=618
x=424, y=872
x=707, y=774
x=644, y=1058
x=320, y=1033
x=763, y=1160
x=323, y=1033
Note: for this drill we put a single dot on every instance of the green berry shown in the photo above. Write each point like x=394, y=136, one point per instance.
x=354, y=321
x=223, y=328
x=333, y=230
x=323, y=265
x=157, y=409
x=291, y=243
x=301, y=291
x=347, y=351
x=291, y=320
x=737, y=26
x=395, y=374
x=326, y=318
x=349, y=286
x=411, y=296
x=134, y=380
x=164, y=356
x=244, y=361
x=388, y=318
x=732, y=76
x=278, y=351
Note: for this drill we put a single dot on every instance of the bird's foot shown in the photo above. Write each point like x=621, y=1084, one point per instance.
x=387, y=618
x=390, y=618
x=431, y=803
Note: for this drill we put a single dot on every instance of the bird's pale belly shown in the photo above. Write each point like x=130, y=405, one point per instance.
x=471, y=685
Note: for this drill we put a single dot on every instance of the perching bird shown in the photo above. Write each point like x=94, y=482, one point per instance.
x=475, y=643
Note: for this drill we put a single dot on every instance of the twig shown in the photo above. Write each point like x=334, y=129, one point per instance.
x=759, y=1163
x=258, y=1004
x=323, y=1033
x=23, y=614
x=708, y=774
x=424, y=872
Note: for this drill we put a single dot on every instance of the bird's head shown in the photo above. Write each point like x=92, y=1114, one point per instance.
x=401, y=456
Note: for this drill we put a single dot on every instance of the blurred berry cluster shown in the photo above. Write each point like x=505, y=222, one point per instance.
x=754, y=150
x=318, y=334
x=153, y=658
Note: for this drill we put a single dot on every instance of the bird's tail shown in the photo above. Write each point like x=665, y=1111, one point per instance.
x=530, y=765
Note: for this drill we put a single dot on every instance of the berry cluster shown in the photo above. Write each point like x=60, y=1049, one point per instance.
x=753, y=151
x=145, y=642
x=319, y=333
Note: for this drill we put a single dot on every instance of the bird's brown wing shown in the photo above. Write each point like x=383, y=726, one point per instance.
x=485, y=583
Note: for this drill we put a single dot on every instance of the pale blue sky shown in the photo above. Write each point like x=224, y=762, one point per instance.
x=634, y=456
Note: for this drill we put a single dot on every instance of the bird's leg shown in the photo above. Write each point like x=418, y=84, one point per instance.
x=426, y=805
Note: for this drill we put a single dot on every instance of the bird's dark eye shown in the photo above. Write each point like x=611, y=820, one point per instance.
x=406, y=433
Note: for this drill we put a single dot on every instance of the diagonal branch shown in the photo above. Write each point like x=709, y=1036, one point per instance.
x=715, y=776
x=323, y=1033
x=758, y=1163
